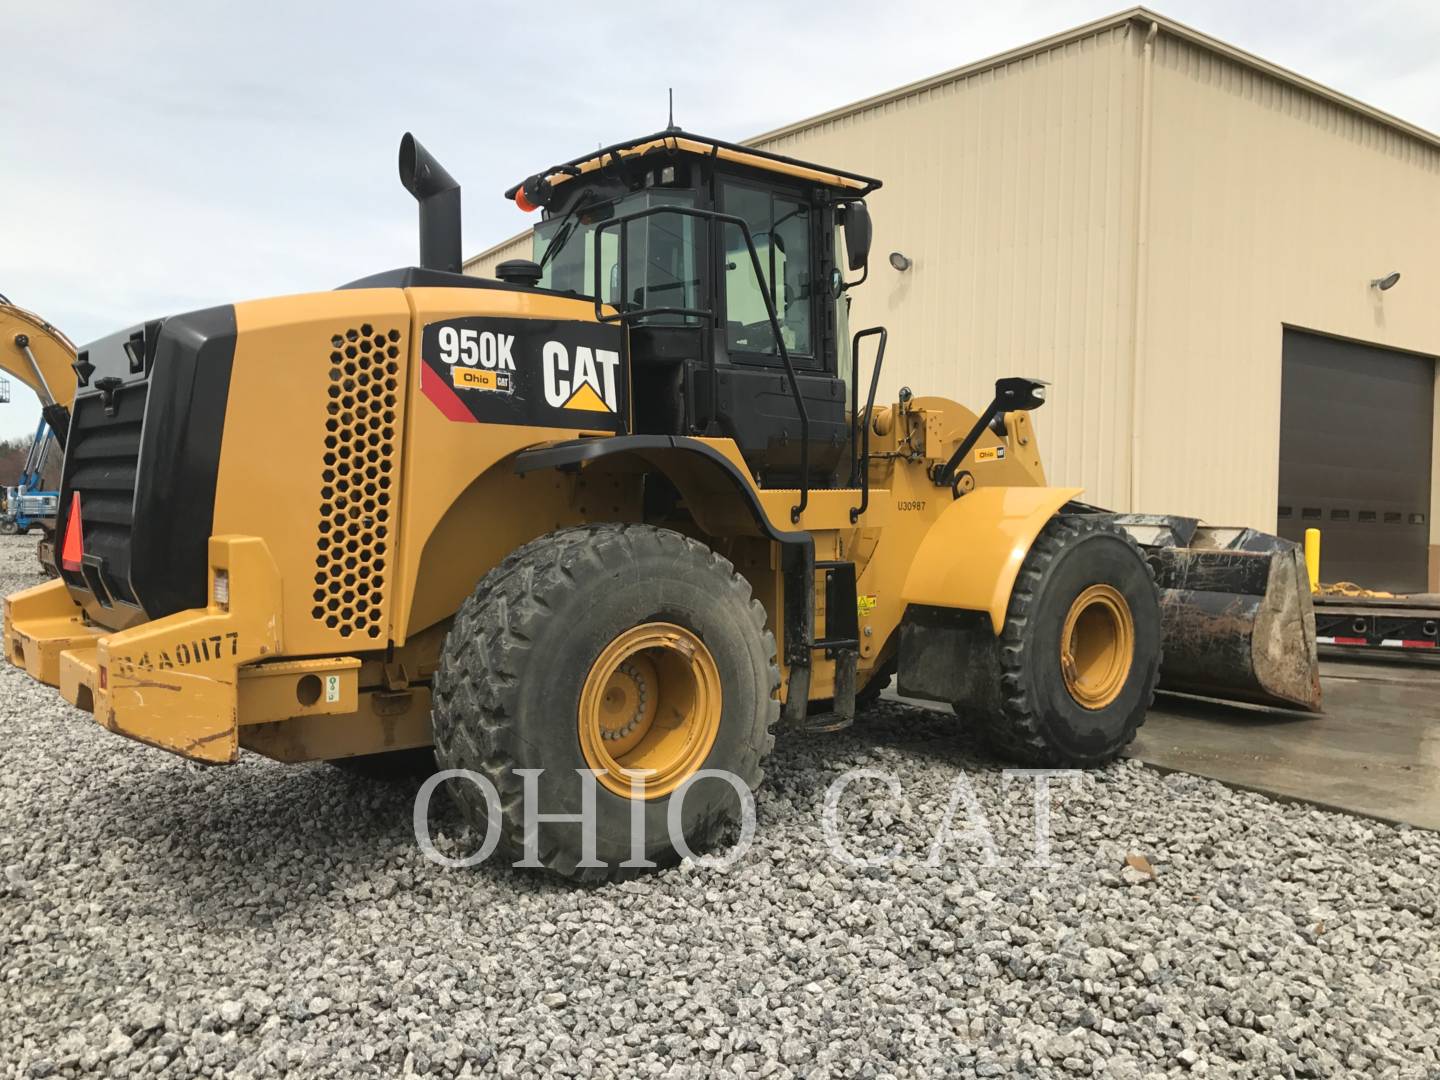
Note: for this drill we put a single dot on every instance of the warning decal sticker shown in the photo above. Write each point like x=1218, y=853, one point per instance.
x=526, y=371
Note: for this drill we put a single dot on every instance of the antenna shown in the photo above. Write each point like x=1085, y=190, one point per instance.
x=671, y=126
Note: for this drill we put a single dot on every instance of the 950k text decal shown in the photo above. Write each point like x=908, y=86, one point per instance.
x=540, y=372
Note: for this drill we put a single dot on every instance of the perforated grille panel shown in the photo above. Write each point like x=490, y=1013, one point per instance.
x=357, y=483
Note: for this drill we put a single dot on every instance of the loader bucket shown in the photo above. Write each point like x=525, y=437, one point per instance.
x=1235, y=612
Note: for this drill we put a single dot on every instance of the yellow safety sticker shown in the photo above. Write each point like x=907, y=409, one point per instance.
x=864, y=605
x=468, y=378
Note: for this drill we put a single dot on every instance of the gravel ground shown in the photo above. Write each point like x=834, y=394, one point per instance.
x=158, y=918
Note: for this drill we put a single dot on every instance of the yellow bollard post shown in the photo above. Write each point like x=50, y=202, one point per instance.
x=1312, y=558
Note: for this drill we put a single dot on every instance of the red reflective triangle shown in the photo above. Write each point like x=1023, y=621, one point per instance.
x=74, y=547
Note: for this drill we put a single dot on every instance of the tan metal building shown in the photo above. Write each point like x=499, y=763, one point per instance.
x=1184, y=239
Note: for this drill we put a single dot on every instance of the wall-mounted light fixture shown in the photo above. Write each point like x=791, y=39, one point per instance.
x=1387, y=282
x=900, y=262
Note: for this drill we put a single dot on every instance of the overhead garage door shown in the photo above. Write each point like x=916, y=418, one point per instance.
x=1355, y=428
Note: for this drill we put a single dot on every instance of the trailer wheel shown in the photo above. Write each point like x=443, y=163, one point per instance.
x=607, y=648
x=1079, y=655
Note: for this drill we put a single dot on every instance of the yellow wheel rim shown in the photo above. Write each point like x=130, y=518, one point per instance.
x=1097, y=646
x=650, y=703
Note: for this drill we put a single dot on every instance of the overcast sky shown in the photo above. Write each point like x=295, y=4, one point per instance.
x=156, y=158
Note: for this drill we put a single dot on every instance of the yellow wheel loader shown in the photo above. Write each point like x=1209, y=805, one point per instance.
x=594, y=529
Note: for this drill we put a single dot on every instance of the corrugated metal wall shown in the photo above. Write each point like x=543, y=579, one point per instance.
x=484, y=264
x=1013, y=190
x=1016, y=189
x=1269, y=206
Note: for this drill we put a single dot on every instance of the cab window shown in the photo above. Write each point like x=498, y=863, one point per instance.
x=663, y=268
x=780, y=229
x=663, y=262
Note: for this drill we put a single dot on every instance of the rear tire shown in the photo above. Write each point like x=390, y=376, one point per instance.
x=1079, y=655
x=524, y=672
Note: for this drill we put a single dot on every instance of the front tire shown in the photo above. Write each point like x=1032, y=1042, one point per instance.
x=607, y=647
x=1079, y=655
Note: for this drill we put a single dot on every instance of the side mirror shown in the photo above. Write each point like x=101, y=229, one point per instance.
x=858, y=234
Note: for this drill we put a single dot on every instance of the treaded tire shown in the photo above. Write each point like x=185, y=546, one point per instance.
x=507, y=689
x=1038, y=722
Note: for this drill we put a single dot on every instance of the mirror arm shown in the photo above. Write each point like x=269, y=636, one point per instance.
x=846, y=286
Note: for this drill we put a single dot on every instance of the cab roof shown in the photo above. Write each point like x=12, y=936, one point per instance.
x=675, y=141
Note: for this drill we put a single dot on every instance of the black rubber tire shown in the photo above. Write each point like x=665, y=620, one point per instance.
x=1038, y=722
x=507, y=689
x=390, y=767
x=9, y=526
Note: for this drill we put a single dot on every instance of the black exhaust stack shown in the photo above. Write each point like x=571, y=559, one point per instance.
x=439, y=197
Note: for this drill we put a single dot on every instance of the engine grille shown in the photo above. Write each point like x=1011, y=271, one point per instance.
x=101, y=458
x=356, y=483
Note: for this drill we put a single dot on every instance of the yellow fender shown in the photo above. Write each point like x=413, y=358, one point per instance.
x=972, y=554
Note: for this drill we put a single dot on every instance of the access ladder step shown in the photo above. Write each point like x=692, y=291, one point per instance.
x=842, y=617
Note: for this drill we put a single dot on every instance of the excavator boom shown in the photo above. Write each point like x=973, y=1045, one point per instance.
x=38, y=354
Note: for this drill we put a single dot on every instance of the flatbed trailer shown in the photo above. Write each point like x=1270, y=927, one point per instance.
x=1349, y=625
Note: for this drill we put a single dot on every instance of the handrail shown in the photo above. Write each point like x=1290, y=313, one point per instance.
x=861, y=465
x=714, y=219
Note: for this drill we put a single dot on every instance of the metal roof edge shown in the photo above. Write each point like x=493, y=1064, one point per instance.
x=493, y=249
x=1284, y=74
x=1109, y=22
x=953, y=74
x=1090, y=29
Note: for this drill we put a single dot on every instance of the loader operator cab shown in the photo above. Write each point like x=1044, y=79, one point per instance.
x=725, y=264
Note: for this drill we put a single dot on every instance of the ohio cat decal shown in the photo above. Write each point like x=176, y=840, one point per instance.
x=526, y=371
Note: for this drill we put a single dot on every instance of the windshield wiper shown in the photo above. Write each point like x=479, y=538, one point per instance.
x=600, y=210
x=562, y=234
